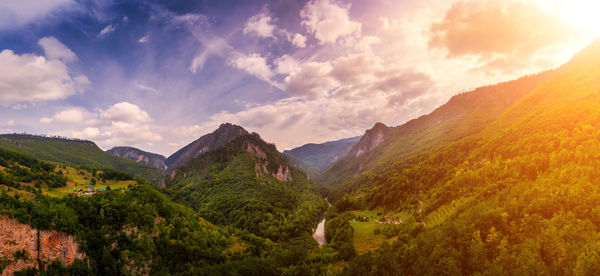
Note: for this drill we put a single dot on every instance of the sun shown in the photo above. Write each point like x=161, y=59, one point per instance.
x=583, y=14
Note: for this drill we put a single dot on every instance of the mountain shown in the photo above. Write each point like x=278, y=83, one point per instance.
x=314, y=158
x=245, y=182
x=75, y=153
x=463, y=115
x=129, y=230
x=518, y=196
x=137, y=155
x=223, y=135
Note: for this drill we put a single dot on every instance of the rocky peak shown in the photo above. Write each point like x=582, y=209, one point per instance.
x=371, y=139
x=226, y=133
x=137, y=155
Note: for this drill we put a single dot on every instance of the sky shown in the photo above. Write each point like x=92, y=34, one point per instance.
x=159, y=74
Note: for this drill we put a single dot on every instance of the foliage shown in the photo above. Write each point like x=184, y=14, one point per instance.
x=75, y=153
x=519, y=197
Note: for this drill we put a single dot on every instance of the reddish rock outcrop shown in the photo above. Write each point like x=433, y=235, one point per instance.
x=54, y=245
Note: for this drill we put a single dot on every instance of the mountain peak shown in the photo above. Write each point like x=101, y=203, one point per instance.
x=226, y=133
x=372, y=138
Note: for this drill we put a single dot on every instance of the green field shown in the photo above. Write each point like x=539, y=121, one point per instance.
x=82, y=179
x=365, y=238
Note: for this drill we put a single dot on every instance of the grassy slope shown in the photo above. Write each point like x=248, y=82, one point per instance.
x=76, y=153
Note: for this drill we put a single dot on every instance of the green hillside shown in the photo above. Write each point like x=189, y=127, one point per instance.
x=75, y=153
x=463, y=115
x=520, y=197
x=247, y=183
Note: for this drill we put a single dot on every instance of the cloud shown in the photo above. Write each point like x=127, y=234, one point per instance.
x=21, y=12
x=311, y=80
x=8, y=123
x=125, y=112
x=144, y=39
x=255, y=65
x=189, y=19
x=286, y=64
x=120, y=124
x=299, y=40
x=214, y=46
x=73, y=115
x=514, y=30
x=107, y=30
x=30, y=78
x=54, y=49
x=328, y=21
x=260, y=25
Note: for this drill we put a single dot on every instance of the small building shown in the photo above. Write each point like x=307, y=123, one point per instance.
x=91, y=189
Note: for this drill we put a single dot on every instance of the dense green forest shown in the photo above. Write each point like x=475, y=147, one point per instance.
x=520, y=197
x=141, y=230
x=507, y=188
x=75, y=153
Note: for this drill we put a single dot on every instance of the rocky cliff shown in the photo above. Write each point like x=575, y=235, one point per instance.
x=137, y=155
x=19, y=246
x=372, y=138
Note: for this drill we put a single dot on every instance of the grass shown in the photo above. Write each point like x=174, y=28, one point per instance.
x=82, y=179
x=75, y=153
x=365, y=238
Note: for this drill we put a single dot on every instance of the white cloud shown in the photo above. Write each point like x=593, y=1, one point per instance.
x=260, y=24
x=144, y=39
x=15, y=12
x=120, y=124
x=45, y=120
x=299, y=40
x=286, y=64
x=213, y=46
x=311, y=80
x=328, y=21
x=107, y=30
x=255, y=65
x=54, y=49
x=30, y=78
x=73, y=115
x=7, y=123
x=125, y=112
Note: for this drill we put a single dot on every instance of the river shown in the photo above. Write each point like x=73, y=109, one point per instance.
x=319, y=234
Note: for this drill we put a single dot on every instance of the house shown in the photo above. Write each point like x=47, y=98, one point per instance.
x=91, y=189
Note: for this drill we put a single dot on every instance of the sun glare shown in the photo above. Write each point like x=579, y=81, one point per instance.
x=584, y=14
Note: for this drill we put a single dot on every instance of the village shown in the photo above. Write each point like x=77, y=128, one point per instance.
x=89, y=191
x=381, y=221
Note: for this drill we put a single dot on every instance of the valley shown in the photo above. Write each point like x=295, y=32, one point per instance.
x=300, y=138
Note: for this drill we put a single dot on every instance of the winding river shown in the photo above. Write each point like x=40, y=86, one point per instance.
x=319, y=234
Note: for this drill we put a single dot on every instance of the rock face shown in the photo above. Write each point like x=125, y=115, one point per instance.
x=53, y=245
x=372, y=138
x=137, y=155
x=224, y=134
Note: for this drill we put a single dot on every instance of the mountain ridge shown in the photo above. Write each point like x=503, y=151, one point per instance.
x=138, y=155
x=224, y=134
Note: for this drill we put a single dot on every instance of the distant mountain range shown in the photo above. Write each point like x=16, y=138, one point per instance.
x=137, y=155
x=314, y=158
x=76, y=153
